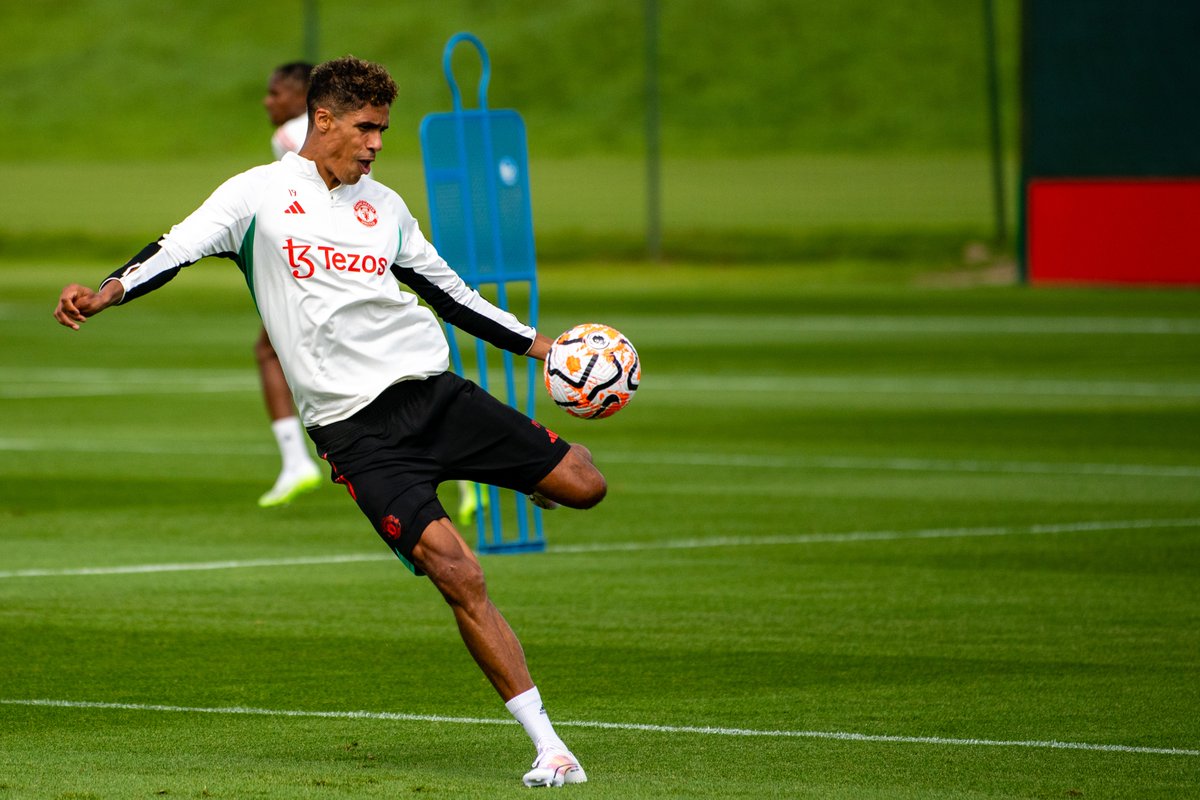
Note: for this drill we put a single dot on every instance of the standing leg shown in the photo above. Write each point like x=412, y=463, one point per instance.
x=443, y=555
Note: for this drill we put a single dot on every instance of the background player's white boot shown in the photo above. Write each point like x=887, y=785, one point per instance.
x=299, y=473
x=290, y=485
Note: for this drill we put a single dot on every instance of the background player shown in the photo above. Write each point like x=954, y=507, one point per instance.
x=287, y=108
x=369, y=367
x=286, y=104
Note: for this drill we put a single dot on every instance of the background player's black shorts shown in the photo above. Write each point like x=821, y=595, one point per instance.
x=392, y=454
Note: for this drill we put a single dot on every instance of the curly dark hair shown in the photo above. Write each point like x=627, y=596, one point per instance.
x=347, y=84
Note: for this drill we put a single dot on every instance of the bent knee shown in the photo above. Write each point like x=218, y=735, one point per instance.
x=460, y=581
x=597, y=488
x=588, y=490
x=575, y=482
x=449, y=564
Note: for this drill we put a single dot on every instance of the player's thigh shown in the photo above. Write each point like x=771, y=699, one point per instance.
x=484, y=440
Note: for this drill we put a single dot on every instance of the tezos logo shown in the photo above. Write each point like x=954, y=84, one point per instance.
x=364, y=212
x=306, y=259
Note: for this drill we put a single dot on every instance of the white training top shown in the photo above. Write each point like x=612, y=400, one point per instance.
x=317, y=263
x=289, y=137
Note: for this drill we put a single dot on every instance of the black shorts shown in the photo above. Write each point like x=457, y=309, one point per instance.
x=392, y=455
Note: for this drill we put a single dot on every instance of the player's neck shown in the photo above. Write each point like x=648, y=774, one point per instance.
x=327, y=175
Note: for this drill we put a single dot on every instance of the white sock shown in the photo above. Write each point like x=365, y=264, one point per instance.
x=528, y=709
x=293, y=448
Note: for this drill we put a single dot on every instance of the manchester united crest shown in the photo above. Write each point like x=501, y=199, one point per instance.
x=364, y=212
x=390, y=528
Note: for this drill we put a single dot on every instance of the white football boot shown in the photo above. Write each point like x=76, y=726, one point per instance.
x=554, y=767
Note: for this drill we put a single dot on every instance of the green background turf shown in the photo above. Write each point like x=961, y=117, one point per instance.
x=769, y=208
x=162, y=79
x=790, y=128
x=876, y=439
x=777, y=402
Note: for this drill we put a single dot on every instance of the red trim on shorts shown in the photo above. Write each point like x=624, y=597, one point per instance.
x=338, y=477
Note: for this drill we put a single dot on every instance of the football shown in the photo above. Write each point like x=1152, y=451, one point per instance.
x=592, y=371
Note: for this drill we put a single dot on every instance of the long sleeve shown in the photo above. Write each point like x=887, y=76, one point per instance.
x=419, y=267
x=216, y=228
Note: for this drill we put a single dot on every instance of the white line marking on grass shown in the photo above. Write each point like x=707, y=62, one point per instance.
x=878, y=536
x=621, y=547
x=200, y=566
x=390, y=716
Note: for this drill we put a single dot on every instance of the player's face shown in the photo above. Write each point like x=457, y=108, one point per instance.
x=285, y=100
x=350, y=142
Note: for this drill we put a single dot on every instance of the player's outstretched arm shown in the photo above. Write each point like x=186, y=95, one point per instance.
x=78, y=302
x=540, y=347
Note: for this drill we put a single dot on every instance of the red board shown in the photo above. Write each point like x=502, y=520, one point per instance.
x=1113, y=231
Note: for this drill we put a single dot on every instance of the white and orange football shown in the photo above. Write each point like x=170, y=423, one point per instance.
x=592, y=371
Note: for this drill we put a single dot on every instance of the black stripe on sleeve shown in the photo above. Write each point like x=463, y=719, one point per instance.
x=460, y=316
x=135, y=263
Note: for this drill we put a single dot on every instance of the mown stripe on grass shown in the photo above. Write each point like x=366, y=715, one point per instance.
x=51, y=383
x=902, y=464
x=177, y=447
x=740, y=326
x=727, y=326
x=923, y=385
x=392, y=716
x=667, y=544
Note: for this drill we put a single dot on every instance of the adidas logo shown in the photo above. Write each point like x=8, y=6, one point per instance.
x=294, y=208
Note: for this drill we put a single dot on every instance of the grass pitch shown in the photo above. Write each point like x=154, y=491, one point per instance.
x=734, y=209
x=884, y=542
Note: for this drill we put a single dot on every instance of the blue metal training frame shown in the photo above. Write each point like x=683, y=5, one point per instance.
x=477, y=178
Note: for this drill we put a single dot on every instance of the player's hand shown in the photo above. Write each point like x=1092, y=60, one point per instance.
x=77, y=302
